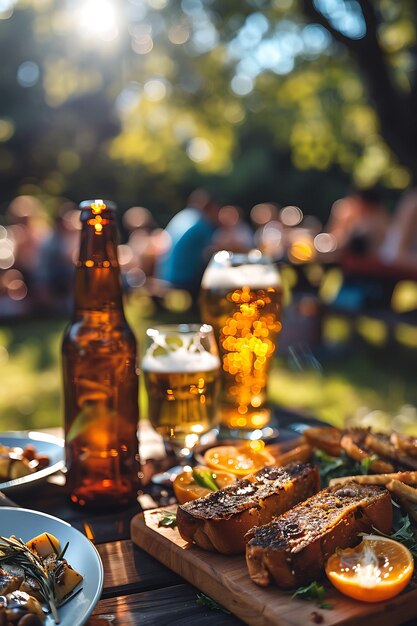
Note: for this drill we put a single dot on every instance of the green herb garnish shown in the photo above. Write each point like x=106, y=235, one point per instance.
x=205, y=478
x=339, y=466
x=325, y=605
x=365, y=464
x=402, y=531
x=14, y=551
x=168, y=519
x=206, y=601
x=314, y=591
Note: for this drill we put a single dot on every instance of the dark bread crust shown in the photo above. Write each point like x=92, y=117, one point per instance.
x=220, y=520
x=292, y=550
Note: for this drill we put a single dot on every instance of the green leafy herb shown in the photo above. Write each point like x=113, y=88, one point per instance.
x=366, y=463
x=314, y=591
x=337, y=467
x=205, y=478
x=325, y=605
x=168, y=519
x=14, y=551
x=206, y=601
x=402, y=531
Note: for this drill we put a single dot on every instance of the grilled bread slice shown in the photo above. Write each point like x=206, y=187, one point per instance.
x=385, y=445
x=292, y=549
x=220, y=520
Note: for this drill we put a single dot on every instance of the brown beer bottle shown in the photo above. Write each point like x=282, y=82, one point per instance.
x=100, y=373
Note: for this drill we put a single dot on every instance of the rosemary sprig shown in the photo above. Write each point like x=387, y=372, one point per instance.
x=15, y=552
x=59, y=555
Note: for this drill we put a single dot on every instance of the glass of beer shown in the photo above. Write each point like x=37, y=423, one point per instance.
x=241, y=299
x=181, y=371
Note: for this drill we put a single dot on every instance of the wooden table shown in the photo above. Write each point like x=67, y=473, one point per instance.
x=137, y=588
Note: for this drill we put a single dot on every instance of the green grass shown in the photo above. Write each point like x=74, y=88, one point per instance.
x=350, y=384
x=363, y=387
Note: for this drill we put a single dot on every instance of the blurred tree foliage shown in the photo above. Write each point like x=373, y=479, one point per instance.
x=283, y=100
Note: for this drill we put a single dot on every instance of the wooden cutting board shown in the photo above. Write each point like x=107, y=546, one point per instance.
x=226, y=580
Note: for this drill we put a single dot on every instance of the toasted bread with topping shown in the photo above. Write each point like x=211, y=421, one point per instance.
x=220, y=520
x=292, y=549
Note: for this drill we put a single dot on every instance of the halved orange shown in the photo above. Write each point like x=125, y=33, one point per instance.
x=377, y=569
x=240, y=460
x=186, y=488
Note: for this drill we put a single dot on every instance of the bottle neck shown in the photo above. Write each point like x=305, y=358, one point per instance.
x=97, y=280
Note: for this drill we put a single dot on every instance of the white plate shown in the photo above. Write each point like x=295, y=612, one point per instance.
x=53, y=447
x=81, y=554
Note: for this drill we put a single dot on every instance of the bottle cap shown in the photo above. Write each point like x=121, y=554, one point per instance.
x=96, y=207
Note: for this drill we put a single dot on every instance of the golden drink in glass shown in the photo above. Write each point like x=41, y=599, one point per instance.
x=181, y=374
x=241, y=299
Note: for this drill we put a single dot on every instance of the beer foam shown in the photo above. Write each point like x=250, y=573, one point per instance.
x=181, y=360
x=249, y=275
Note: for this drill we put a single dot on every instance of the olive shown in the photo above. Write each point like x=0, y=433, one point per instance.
x=29, y=620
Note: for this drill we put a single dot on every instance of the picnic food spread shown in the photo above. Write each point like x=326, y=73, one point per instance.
x=16, y=462
x=34, y=575
x=220, y=520
x=358, y=529
x=293, y=549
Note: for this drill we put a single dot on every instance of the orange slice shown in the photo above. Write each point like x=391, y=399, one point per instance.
x=377, y=569
x=186, y=488
x=240, y=460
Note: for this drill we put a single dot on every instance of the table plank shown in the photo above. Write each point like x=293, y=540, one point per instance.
x=128, y=568
x=172, y=606
x=52, y=498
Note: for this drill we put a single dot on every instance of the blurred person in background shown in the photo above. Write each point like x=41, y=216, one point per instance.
x=191, y=233
x=56, y=261
x=400, y=244
x=264, y=217
x=234, y=233
x=28, y=228
x=359, y=223
x=146, y=241
x=145, y=245
x=139, y=223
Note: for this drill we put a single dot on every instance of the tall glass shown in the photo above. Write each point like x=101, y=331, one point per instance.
x=181, y=372
x=241, y=299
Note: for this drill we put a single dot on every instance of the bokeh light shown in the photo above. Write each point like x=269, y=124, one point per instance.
x=264, y=212
x=199, y=149
x=291, y=215
x=98, y=19
x=28, y=74
x=325, y=242
x=301, y=251
x=7, y=129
